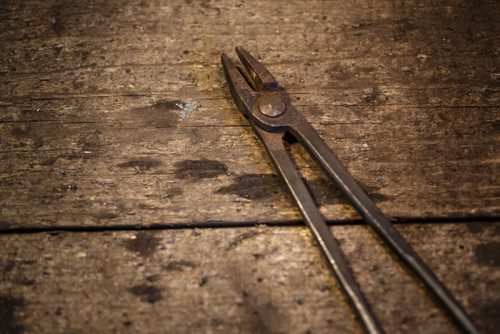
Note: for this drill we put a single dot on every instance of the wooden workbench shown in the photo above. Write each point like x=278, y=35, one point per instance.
x=135, y=198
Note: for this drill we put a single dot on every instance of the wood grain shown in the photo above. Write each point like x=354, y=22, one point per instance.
x=117, y=113
x=238, y=280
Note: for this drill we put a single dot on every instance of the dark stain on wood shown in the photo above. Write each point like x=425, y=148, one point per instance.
x=152, y=277
x=203, y=279
x=262, y=316
x=8, y=307
x=144, y=206
x=141, y=164
x=491, y=311
x=26, y=136
x=26, y=282
x=179, y=265
x=48, y=161
x=199, y=169
x=146, y=293
x=128, y=323
x=488, y=254
x=143, y=244
x=174, y=192
x=167, y=104
x=374, y=193
x=89, y=141
x=252, y=186
x=480, y=227
x=340, y=72
x=9, y=265
x=240, y=238
x=106, y=215
x=4, y=225
x=161, y=114
x=21, y=132
x=258, y=256
x=401, y=28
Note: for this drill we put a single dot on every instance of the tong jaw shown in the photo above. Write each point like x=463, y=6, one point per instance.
x=263, y=79
x=242, y=93
x=256, y=92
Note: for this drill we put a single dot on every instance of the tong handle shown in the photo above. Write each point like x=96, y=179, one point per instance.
x=306, y=134
x=273, y=141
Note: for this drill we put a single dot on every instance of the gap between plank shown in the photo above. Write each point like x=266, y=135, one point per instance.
x=223, y=224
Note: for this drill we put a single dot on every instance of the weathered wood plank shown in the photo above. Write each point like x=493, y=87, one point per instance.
x=132, y=123
x=115, y=113
x=59, y=172
x=264, y=279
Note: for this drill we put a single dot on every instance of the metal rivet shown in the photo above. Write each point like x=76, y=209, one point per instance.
x=271, y=105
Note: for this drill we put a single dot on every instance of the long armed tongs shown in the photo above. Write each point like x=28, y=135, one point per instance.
x=268, y=108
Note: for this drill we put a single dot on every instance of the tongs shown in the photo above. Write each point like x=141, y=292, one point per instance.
x=269, y=110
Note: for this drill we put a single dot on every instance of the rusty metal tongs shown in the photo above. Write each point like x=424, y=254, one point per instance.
x=268, y=108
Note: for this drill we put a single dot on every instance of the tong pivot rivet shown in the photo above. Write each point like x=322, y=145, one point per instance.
x=271, y=105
